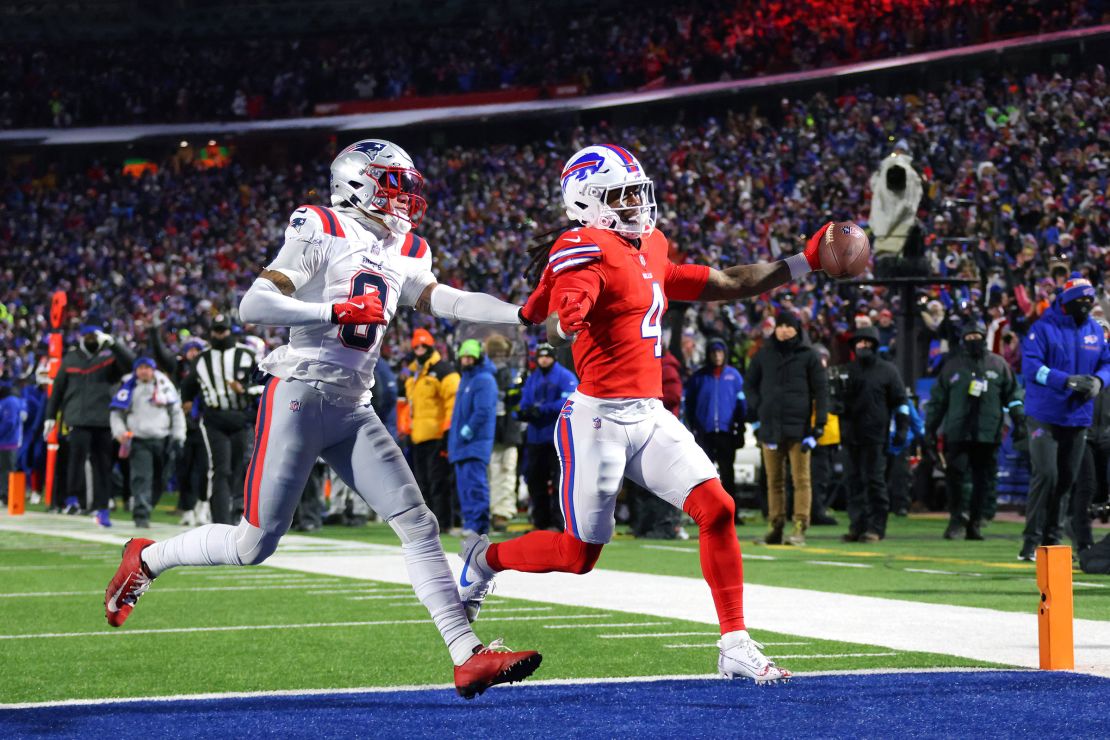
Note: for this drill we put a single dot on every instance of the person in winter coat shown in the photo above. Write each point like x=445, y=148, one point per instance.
x=1093, y=482
x=12, y=415
x=672, y=383
x=470, y=440
x=1066, y=364
x=788, y=397
x=715, y=410
x=507, y=439
x=82, y=391
x=430, y=386
x=974, y=391
x=147, y=420
x=871, y=393
x=545, y=391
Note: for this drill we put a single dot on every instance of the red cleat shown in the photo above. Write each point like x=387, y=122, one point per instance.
x=129, y=583
x=493, y=665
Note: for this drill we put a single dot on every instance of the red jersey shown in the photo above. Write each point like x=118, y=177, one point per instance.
x=620, y=354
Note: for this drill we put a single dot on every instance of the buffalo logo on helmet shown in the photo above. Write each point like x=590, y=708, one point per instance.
x=583, y=167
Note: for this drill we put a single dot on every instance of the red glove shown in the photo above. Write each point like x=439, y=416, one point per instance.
x=365, y=309
x=535, y=308
x=813, y=257
x=572, y=313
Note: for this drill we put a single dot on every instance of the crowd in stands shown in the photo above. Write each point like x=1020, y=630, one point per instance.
x=609, y=48
x=1015, y=177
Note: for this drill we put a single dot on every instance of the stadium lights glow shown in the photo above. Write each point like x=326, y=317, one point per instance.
x=184, y=144
x=211, y=142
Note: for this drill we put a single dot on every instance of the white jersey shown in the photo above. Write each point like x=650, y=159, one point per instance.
x=331, y=258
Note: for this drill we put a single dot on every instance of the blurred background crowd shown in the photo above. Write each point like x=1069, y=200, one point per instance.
x=1002, y=189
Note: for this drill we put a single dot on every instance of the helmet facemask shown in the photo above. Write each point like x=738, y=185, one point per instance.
x=628, y=209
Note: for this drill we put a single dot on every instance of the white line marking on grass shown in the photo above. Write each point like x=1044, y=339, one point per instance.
x=628, y=636
x=502, y=687
x=372, y=597
x=795, y=657
x=1085, y=584
x=250, y=627
x=930, y=571
x=504, y=609
x=618, y=624
x=839, y=564
x=193, y=589
x=354, y=590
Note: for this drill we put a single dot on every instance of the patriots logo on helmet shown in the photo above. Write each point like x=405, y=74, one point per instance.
x=583, y=167
x=297, y=223
x=366, y=147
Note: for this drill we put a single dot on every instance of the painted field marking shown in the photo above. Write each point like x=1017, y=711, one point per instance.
x=795, y=657
x=694, y=550
x=838, y=564
x=506, y=609
x=356, y=590
x=627, y=636
x=617, y=624
x=195, y=589
x=930, y=571
x=447, y=686
x=378, y=596
x=251, y=627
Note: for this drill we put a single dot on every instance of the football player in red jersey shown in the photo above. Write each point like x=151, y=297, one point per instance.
x=605, y=286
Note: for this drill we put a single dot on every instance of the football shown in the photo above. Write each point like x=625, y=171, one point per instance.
x=845, y=251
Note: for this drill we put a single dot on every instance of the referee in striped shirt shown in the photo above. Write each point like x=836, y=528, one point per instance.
x=223, y=379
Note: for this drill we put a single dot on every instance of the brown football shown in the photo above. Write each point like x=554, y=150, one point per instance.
x=845, y=251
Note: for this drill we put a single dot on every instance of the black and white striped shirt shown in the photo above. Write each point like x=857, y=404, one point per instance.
x=214, y=369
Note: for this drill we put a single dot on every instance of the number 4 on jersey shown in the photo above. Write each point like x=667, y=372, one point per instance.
x=652, y=325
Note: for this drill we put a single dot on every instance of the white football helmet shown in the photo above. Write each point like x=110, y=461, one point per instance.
x=378, y=178
x=605, y=187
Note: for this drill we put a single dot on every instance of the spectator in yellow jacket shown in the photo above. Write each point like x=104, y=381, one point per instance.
x=430, y=386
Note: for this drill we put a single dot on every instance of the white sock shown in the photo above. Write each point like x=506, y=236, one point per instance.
x=212, y=544
x=434, y=585
x=734, y=638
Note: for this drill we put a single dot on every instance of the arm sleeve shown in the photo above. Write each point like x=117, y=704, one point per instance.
x=450, y=303
x=303, y=252
x=938, y=402
x=116, y=423
x=685, y=282
x=484, y=404
x=166, y=360
x=264, y=304
x=1033, y=362
x=819, y=386
x=1013, y=397
x=448, y=388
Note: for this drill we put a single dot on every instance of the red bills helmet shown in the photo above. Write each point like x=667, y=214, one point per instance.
x=378, y=178
x=605, y=187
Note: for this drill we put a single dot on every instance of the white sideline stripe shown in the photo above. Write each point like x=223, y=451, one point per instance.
x=355, y=590
x=628, y=636
x=372, y=597
x=976, y=633
x=171, y=590
x=618, y=624
x=1088, y=585
x=502, y=687
x=794, y=657
x=839, y=564
x=932, y=572
x=249, y=627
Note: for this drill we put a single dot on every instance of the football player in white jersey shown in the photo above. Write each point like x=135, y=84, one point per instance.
x=339, y=278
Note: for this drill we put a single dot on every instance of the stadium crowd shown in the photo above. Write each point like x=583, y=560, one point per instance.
x=1014, y=173
x=598, y=50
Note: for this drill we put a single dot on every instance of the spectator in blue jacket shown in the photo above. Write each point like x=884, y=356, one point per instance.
x=545, y=391
x=11, y=433
x=715, y=410
x=1066, y=363
x=470, y=440
x=384, y=400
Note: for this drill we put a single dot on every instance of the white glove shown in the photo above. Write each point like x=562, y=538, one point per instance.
x=104, y=340
x=47, y=428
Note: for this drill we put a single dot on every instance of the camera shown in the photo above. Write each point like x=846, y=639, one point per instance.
x=1100, y=512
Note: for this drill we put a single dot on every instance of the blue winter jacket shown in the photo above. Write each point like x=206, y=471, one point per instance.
x=476, y=408
x=546, y=393
x=11, y=423
x=1053, y=349
x=712, y=401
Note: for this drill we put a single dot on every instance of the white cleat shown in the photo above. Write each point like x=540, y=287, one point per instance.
x=189, y=519
x=475, y=580
x=742, y=657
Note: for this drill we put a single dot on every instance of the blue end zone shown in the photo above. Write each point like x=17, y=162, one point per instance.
x=988, y=704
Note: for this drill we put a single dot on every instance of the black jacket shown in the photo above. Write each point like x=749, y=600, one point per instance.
x=1099, y=433
x=85, y=383
x=785, y=386
x=871, y=394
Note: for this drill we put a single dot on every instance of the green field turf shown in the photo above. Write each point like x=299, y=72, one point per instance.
x=53, y=588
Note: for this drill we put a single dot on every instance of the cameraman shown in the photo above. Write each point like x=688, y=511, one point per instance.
x=1066, y=363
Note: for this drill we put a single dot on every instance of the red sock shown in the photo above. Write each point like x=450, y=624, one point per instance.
x=544, y=552
x=721, y=565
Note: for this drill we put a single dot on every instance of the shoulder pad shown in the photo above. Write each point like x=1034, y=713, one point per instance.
x=573, y=248
x=414, y=246
x=322, y=220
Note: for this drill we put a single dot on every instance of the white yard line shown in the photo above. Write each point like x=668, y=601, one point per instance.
x=705, y=646
x=447, y=686
x=992, y=635
x=250, y=627
x=839, y=564
x=618, y=624
x=630, y=636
